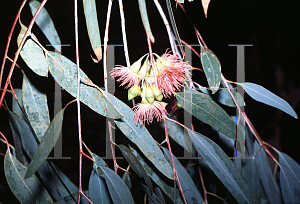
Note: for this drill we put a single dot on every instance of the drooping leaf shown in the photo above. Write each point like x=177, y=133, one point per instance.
x=206, y=110
x=212, y=68
x=91, y=20
x=46, y=173
x=116, y=186
x=263, y=95
x=147, y=145
x=266, y=175
x=98, y=191
x=205, y=4
x=15, y=106
x=28, y=190
x=32, y=54
x=175, y=131
x=151, y=196
x=64, y=71
x=47, y=143
x=168, y=190
x=289, y=179
x=186, y=182
x=223, y=168
x=136, y=166
x=46, y=24
x=36, y=107
x=127, y=180
x=225, y=98
x=145, y=20
x=139, y=135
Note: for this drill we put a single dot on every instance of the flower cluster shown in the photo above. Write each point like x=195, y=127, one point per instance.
x=152, y=81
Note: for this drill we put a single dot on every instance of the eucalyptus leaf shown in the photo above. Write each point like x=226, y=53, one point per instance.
x=265, y=96
x=127, y=180
x=187, y=184
x=116, y=186
x=64, y=72
x=91, y=20
x=46, y=24
x=145, y=20
x=32, y=54
x=151, y=196
x=98, y=191
x=289, y=179
x=28, y=190
x=212, y=68
x=47, y=143
x=36, y=107
x=70, y=200
x=136, y=166
x=266, y=175
x=225, y=98
x=202, y=107
x=168, y=190
x=16, y=104
x=223, y=168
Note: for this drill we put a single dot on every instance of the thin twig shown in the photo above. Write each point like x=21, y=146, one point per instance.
x=112, y=147
x=105, y=44
x=27, y=33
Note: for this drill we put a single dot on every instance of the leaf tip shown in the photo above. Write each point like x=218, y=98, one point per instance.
x=98, y=53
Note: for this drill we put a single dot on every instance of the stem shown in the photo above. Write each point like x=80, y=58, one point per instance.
x=8, y=41
x=171, y=155
x=105, y=44
x=124, y=33
x=202, y=181
x=27, y=33
x=168, y=27
x=112, y=147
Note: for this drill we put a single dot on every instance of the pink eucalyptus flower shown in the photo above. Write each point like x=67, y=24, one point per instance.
x=125, y=75
x=145, y=112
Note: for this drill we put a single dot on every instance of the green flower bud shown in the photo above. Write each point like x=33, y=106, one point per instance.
x=134, y=91
x=157, y=93
x=135, y=67
x=178, y=105
x=149, y=95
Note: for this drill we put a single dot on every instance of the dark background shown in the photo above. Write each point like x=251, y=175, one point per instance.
x=273, y=62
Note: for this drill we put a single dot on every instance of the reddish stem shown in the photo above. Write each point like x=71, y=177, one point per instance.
x=112, y=147
x=27, y=33
x=202, y=181
x=7, y=144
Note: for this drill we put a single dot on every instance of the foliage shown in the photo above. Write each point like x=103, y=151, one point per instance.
x=153, y=80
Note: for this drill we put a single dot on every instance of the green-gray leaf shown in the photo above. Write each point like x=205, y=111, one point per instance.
x=36, y=107
x=225, y=98
x=15, y=106
x=223, y=167
x=47, y=143
x=91, y=20
x=145, y=20
x=45, y=23
x=65, y=73
x=32, y=54
x=202, y=107
x=28, y=190
x=136, y=165
x=212, y=68
x=116, y=186
x=263, y=95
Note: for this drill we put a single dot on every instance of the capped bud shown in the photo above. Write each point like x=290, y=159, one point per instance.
x=149, y=95
x=157, y=93
x=178, y=105
x=144, y=68
x=159, y=66
x=134, y=91
x=135, y=67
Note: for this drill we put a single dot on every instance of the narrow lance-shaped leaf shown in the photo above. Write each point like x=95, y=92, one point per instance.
x=205, y=109
x=47, y=143
x=145, y=20
x=225, y=98
x=263, y=95
x=205, y=4
x=16, y=105
x=168, y=190
x=289, y=179
x=46, y=24
x=223, y=167
x=64, y=72
x=32, y=54
x=91, y=20
x=98, y=191
x=36, y=107
x=116, y=186
x=136, y=166
x=187, y=184
x=139, y=135
x=266, y=175
x=212, y=68
x=28, y=190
